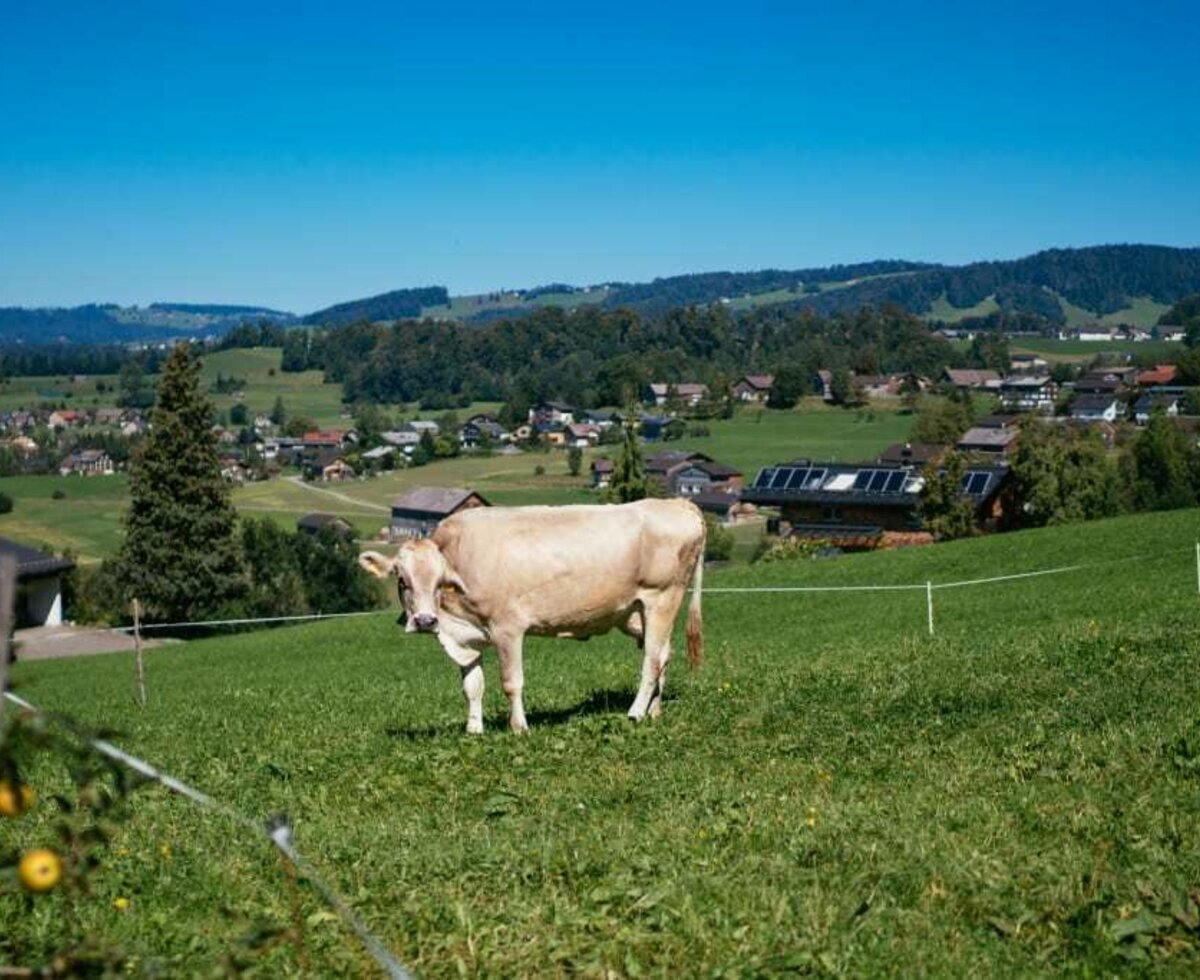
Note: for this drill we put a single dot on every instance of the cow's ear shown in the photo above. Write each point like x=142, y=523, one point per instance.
x=381, y=566
x=452, y=580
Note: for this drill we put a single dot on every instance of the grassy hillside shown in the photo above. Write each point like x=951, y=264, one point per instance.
x=833, y=792
x=1080, y=351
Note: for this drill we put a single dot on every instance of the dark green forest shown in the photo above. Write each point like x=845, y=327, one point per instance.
x=398, y=304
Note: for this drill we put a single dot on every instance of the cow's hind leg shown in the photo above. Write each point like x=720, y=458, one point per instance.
x=512, y=678
x=659, y=620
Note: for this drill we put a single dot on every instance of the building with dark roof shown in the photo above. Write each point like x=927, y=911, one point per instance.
x=864, y=505
x=418, y=512
x=39, y=584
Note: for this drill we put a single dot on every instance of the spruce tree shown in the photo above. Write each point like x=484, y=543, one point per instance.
x=180, y=556
x=629, y=473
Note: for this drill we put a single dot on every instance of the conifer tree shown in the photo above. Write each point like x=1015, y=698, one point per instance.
x=629, y=473
x=180, y=556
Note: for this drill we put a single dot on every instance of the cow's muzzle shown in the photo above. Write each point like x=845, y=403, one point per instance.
x=425, y=622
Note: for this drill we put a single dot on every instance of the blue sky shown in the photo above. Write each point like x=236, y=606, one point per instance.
x=299, y=154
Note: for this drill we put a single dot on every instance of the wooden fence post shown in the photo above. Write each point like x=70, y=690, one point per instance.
x=929, y=604
x=137, y=652
x=8, y=590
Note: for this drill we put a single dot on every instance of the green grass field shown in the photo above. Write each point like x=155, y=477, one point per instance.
x=833, y=792
x=1079, y=351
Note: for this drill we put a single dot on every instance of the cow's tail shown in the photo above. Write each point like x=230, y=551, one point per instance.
x=695, y=620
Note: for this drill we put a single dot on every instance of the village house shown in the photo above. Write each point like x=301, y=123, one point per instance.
x=1027, y=393
x=1096, y=408
x=376, y=456
x=403, y=439
x=65, y=418
x=725, y=508
x=704, y=476
x=331, y=466
x=823, y=384
x=877, y=385
x=107, y=416
x=971, y=379
x=1147, y=404
x=232, y=471
x=754, y=387
x=87, y=462
x=417, y=513
x=581, y=435
x=422, y=426
x=39, y=592
x=481, y=430
x=994, y=436
x=1160, y=374
x=859, y=506
x=602, y=471
x=1173, y=334
x=557, y=413
x=1027, y=363
x=689, y=393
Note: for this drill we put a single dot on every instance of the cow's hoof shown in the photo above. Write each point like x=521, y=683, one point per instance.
x=474, y=729
x=519, y=727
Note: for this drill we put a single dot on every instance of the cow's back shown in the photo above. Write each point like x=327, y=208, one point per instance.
x=570, y=565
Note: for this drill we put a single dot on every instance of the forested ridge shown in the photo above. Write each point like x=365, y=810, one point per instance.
x=593, y=356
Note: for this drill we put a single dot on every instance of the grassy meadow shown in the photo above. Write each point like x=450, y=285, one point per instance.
x=833, y=792
x=1082, y=351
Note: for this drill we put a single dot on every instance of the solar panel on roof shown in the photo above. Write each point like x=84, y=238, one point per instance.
x=862, y=479
x=781, y=477
x=814, y=479
x=796, y=480
x=895, y=482
x=975, y=483
x=764, y=477
x=878, y=481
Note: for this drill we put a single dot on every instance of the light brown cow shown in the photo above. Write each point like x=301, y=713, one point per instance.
x=492, y=575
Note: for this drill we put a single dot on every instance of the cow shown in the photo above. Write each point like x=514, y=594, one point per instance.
x=490, y=576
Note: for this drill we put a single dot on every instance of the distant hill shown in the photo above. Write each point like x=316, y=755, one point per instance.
x=108, y=323
x=399, y=304
x=1113, y=284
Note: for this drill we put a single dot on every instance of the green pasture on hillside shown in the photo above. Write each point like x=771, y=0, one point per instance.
x=79, y=392
x=1078, y=351
x=834, y=792
x=86, y=521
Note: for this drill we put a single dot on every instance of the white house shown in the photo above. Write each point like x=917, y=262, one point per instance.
x=1096, y=408
x=39, y=584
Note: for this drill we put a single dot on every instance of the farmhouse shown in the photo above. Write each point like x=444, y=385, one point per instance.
x=602, y=471
x=864, y=505
x=331, y=466
x=1027, y=363
x=87, y=462
x=823, y=384
x=481, y=430
x=1147, y=404
x=421, y=426
x=1029, y=393
x=990, y=438
x=666, y=465
x=1160, y=374
x=754, y=387
x=690, y=393
x=418, y=512
x=725, y=508
x=971, y=379
x=582, y=434
x=1096, y=408
x=878, y=385
x=705, y=477
x=557, y=412
x=39, y=584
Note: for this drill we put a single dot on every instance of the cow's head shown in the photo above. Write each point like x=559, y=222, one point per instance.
x=423, y=574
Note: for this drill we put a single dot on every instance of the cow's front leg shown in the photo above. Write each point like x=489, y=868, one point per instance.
x=470, y=662
x=512, y=678
x=472, y=678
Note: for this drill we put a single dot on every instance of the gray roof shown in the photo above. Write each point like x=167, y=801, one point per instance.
x=438, y=501
x=980, y=436
x=31, y=562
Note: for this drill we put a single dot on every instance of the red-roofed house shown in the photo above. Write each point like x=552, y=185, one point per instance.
x=1160, y=374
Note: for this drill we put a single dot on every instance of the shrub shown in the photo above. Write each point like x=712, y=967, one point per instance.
x=791, y=549
x=6, y=504
x=539, y=470
x=718, y=541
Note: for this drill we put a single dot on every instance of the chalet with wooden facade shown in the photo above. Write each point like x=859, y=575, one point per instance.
x=418, y=512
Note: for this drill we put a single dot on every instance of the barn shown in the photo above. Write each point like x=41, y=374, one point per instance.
x=39, y=584
x=419, y=511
